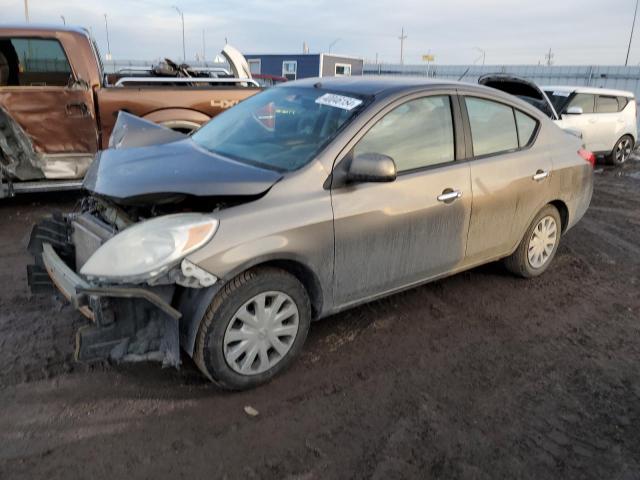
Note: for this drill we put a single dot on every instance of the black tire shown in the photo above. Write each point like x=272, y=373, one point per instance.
x=622, y=151
x=518, y=263
x=209, y=351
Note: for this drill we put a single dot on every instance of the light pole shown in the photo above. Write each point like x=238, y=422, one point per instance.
x=482, y=52
x=106, y=29
x=64, y=22
x=402, y=38
x=26, y=10
x=184, y=55
x=631, y=36
x=332, y=44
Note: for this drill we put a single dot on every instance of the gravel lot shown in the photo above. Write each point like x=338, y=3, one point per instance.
x=481, y=375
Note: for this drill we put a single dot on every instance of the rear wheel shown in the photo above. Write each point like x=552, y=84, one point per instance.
x=538, y=246
x=253, y=328
x=622, y=151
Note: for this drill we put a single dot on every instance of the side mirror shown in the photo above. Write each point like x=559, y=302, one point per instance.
x=372, y=167
x=574, y=111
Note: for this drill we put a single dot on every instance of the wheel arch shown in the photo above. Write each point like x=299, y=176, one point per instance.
x=563, y=210
x=193, y=303
x=178, y=118
x=305, y=275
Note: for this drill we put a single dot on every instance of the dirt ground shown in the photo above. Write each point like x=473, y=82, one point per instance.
x=481, y=375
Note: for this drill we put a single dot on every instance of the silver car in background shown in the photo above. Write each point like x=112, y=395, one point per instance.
x=307, y=199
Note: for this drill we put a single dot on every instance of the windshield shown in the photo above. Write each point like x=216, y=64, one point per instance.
x=282, y=128
x=558, y=99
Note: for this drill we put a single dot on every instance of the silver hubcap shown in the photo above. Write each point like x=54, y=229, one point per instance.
x=542, y=242
x=261, y=333
x=623, y=150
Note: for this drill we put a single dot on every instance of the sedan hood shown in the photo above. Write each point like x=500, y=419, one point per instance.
x=169, y=172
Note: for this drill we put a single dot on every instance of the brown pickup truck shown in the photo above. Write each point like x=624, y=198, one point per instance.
x=57, y=106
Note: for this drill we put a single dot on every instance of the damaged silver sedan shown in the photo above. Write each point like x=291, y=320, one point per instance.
x=302, y=201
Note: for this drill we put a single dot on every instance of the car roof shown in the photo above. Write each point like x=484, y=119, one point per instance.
x=590, y=90
x=40, y=28
x=374, y=85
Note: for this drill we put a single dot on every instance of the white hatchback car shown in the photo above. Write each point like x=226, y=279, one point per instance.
x=606, y=119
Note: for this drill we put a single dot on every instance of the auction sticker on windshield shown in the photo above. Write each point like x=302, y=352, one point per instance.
x=338, y=101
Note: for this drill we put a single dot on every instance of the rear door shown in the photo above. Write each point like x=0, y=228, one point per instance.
x=40, y=96
x=391, y=235
x=508, y=177
x=610, y=121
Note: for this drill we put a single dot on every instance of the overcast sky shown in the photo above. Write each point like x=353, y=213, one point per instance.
x=578, y=31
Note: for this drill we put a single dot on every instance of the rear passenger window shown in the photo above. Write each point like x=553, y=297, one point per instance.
x=526, y=128
x=416, y=134
x=584, y=101
x=493, y=126
x=607, y=104
x=33, y=62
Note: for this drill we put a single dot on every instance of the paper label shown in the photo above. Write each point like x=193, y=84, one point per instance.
x=338, y=101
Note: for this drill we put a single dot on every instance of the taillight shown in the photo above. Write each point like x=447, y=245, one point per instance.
x=588, y=156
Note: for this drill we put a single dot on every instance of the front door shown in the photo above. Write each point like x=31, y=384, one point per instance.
x=51, y=129
x=391, y=235
x=588, y=123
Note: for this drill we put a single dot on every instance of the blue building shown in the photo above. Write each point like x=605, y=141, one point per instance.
x=304, y=65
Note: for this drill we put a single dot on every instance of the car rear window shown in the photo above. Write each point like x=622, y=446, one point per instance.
x=493, y=126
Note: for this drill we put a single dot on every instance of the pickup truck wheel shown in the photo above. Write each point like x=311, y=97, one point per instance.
x=538, y=246
x=253, y=329
x=622, y=151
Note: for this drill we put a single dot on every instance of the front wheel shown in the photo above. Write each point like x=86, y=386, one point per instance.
x=622, y=151
x=253, y=329
x=538, y=246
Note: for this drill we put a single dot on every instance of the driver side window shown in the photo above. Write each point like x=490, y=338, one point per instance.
x=416, y=134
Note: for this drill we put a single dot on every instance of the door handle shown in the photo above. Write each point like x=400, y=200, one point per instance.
x=449, y=195
x=79, y=109
x=540, y=175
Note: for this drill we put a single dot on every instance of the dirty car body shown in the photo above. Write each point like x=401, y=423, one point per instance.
x=317, y=195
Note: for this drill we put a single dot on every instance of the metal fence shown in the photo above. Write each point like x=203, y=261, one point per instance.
x=621, y=78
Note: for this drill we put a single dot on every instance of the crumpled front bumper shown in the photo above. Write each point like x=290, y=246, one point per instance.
x=128, y=323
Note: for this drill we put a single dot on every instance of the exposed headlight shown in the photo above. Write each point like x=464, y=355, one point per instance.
x=148, y=249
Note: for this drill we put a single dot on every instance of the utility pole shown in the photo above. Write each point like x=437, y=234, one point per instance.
x=402, y=38
x=204, y=48
x=184, y=55
x=106, y=29
x=549, y=56
x=631, y=36
x=26, y=10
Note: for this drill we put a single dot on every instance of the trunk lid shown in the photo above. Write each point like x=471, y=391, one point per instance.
x=521, y=88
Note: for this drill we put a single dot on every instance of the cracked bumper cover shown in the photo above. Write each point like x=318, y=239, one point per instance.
x=129, y=323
